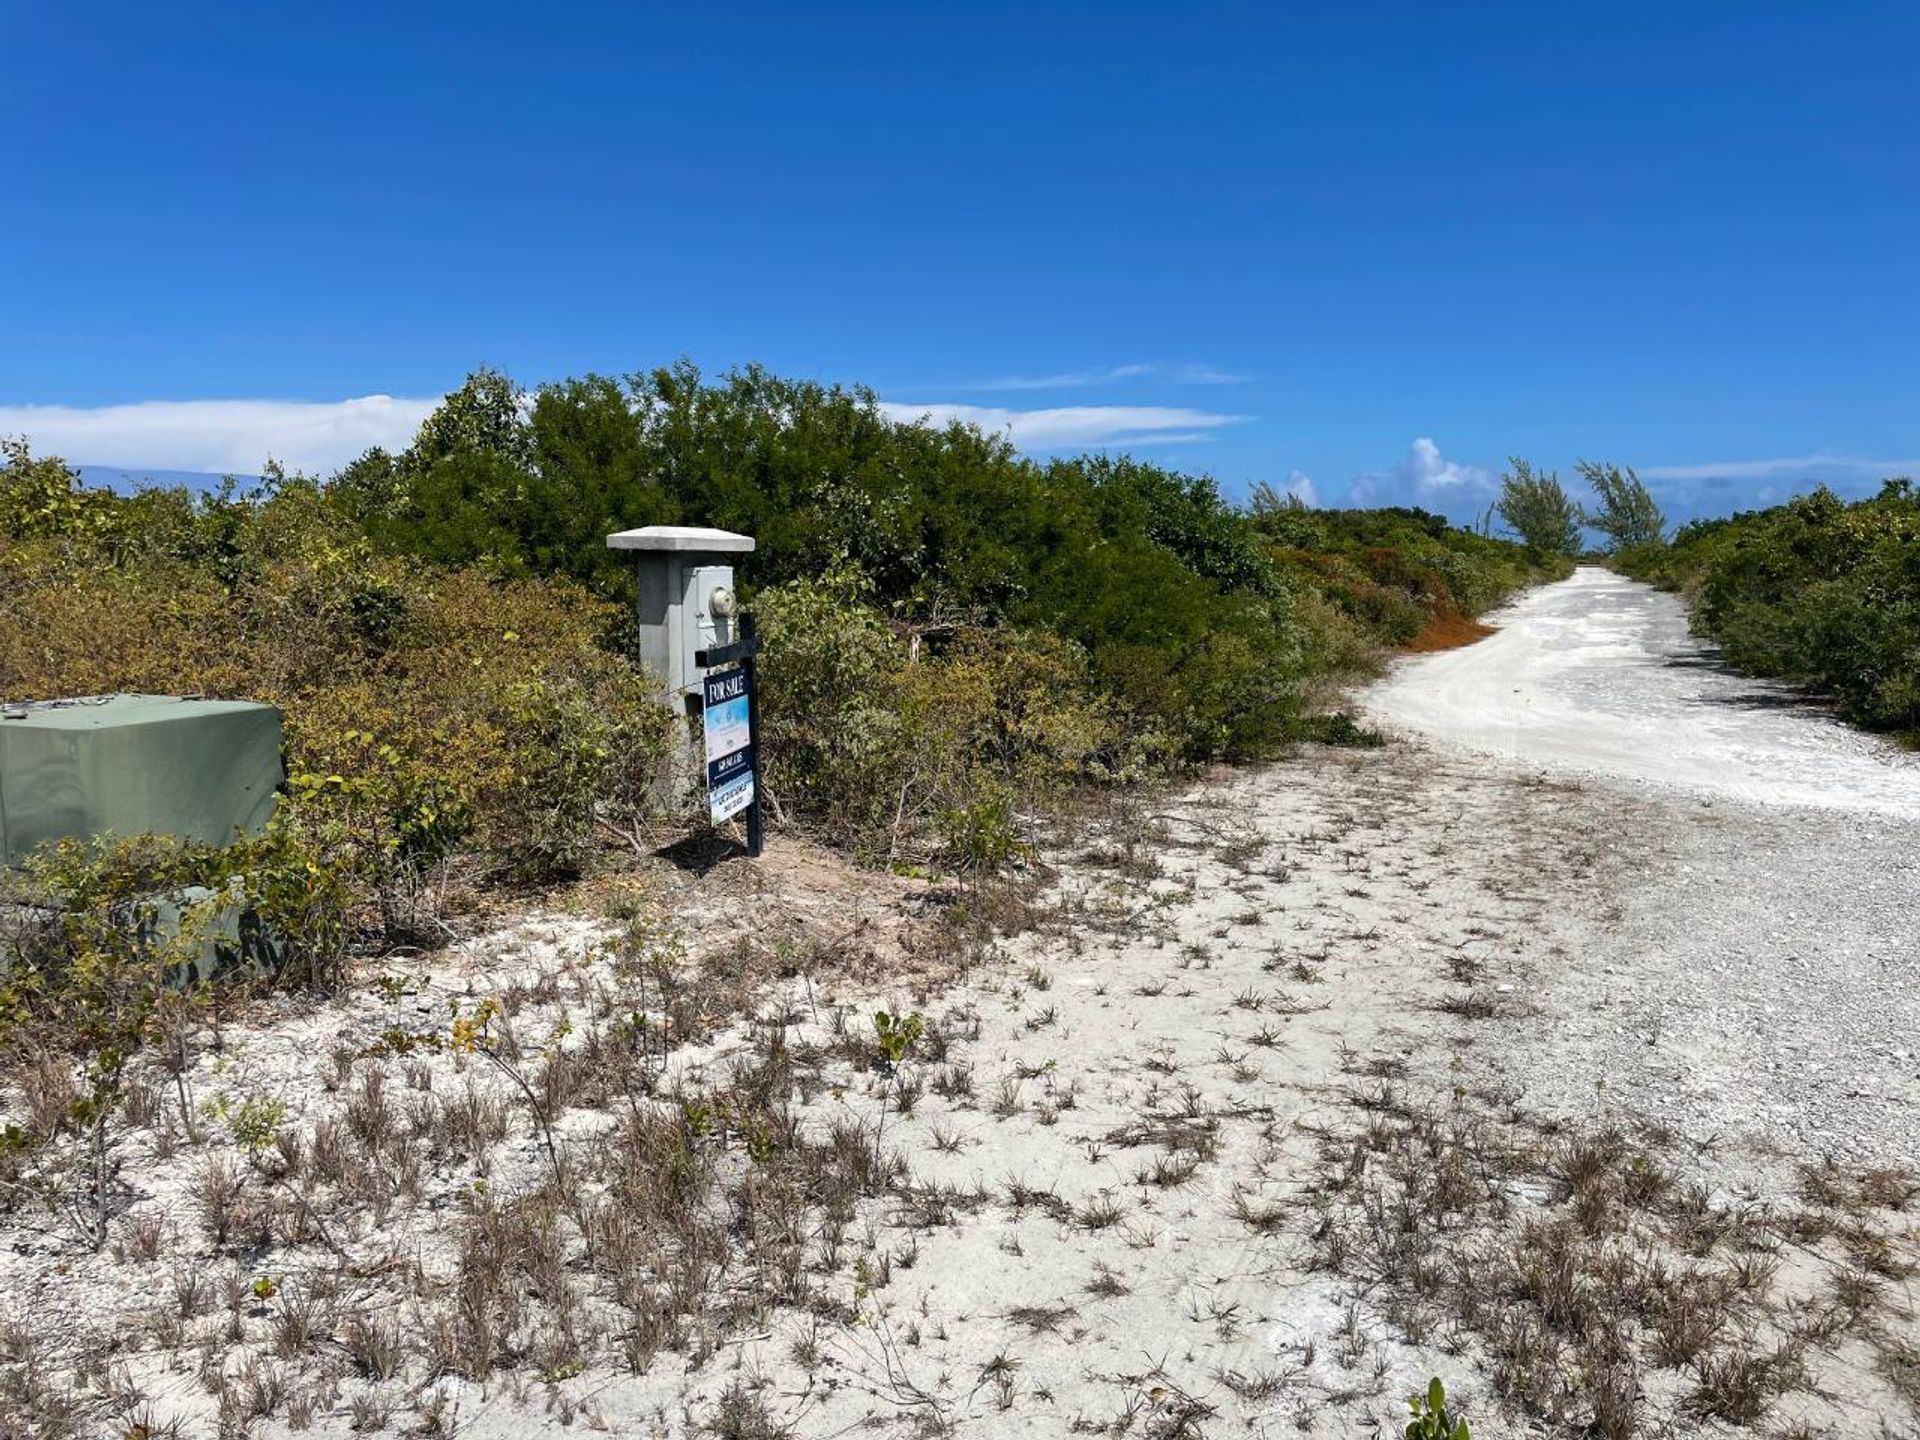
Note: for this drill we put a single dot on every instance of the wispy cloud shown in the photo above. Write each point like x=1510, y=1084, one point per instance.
x=1798, y=467
x=1076, y=427
x=221, y=436
x=1113, y=375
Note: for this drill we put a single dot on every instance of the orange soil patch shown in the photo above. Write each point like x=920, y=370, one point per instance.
x=1448, y=632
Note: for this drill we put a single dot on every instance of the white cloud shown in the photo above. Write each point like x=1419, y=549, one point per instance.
x=1075, y=427
x=1799, y=468
x=1114, y=374
x=221, y=436
x=1301, y=484
x=239, y=436
x=1425, y=478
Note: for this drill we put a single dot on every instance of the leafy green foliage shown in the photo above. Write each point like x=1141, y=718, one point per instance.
x=1816, y=591
x=253, y=1121
x=1432, y=1420
x=1388, y=574
x=953, y=632
x=429, y=712
x=884, y=736
x=895, y=1035
x=1141, y=567
x=1536, y=507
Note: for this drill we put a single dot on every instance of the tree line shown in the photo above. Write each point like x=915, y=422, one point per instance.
x=953, y=630
x=1550, y=521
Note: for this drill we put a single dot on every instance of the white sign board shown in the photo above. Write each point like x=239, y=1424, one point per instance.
x=729, y=744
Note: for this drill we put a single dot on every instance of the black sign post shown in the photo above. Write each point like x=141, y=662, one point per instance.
x=731, y=721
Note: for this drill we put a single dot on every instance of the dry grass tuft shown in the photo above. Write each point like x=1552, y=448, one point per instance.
x=1583, y=1268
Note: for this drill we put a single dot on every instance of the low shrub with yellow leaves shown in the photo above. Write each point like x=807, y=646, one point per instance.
x=927, y=744
x=429, y=712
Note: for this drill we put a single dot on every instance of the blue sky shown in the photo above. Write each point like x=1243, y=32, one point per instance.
x=1381, y=247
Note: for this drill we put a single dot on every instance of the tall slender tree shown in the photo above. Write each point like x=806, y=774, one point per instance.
x=1536, y=507
x=1627, y=516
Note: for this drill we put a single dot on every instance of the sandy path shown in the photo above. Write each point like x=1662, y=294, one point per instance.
x=1599, y=675
x=1759, y=974
x=1154, y=1075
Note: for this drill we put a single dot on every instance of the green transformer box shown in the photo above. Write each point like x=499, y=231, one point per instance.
x=201, y=770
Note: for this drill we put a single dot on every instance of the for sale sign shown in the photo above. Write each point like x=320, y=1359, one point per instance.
x=728, y=716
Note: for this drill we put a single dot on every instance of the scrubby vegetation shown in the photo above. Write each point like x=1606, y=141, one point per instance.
x=1394, y=578
x=954, y=631
x=1818, y=592
x=430, y=712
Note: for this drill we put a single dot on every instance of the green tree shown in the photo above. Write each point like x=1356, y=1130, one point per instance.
x=1538, y=509
x=1265, y=498
x=464, y=492
x=1627, y=516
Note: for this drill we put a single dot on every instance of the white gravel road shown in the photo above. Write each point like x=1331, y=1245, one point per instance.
x=1598, y=675
x=1758, y=976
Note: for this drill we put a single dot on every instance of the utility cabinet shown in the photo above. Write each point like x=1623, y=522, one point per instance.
x=685, y=596
x=125, y=765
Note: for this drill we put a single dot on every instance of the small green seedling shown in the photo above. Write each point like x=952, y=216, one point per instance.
x=1431, y=1418
x=895, y=1035
x=255, y=1122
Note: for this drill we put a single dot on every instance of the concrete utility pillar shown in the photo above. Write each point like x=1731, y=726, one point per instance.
x=686, y=604
x=686, y=598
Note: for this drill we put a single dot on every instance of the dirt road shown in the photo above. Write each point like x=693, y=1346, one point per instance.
x=1599, y=675
x=1758, y=972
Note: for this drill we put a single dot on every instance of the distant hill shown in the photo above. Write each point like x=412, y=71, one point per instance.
x=125, y=479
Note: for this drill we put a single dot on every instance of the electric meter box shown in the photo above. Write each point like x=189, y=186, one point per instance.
x=709, y=613
x=125, y=765
x=686, y=597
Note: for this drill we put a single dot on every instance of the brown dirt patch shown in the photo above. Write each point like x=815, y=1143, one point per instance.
x=1448, y=632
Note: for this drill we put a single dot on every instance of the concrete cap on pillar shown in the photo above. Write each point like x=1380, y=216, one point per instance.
x=681, y=538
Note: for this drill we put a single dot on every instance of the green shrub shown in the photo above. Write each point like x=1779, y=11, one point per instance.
x=896, y=742
x=829, y=728
x=1818, y=592
x=429, y=713
x=1368, y=579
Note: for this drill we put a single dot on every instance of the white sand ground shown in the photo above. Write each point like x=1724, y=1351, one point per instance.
x=1233, y=989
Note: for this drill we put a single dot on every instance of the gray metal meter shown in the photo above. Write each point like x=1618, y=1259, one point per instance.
x=709, y=612
x=686, y=596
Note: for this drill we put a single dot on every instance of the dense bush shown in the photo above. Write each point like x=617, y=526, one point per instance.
x=1818, y=592
x=1191, y=625
x=883, y=737
x=953, y=631
x=1164, y=586
x=427, y=710
x=1392, y=573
